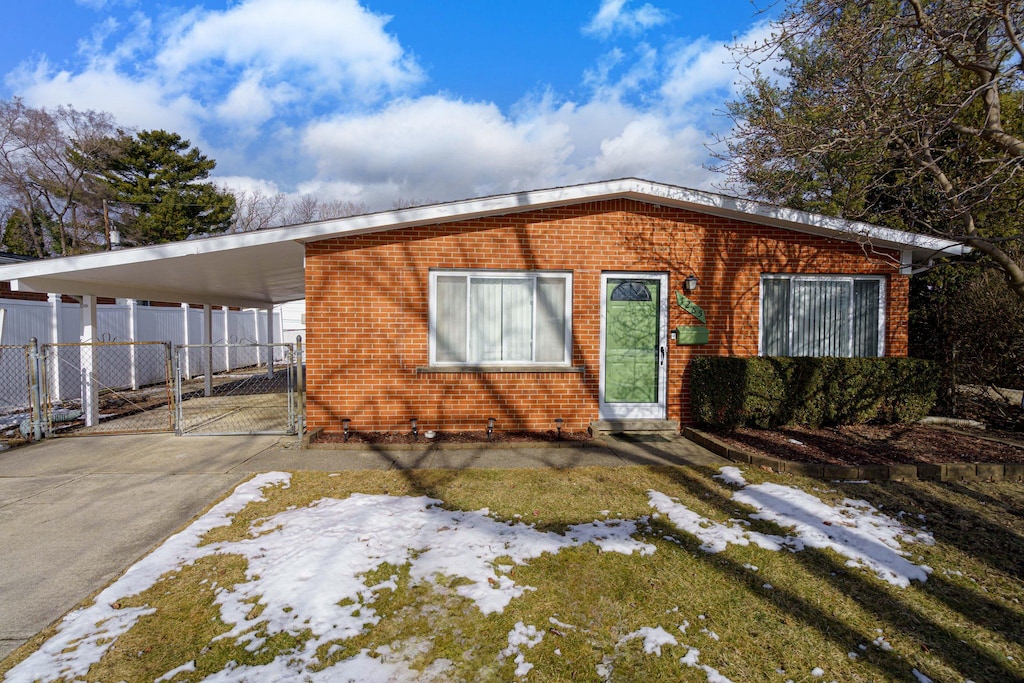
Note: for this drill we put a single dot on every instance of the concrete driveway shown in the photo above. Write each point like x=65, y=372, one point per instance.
x=76, y=512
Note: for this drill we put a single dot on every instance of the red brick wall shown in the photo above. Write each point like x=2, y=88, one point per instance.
x=367, y=308
x=7, y=293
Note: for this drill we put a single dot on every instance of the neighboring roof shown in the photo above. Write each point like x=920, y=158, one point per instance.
x=8, y=257
x=258, y=269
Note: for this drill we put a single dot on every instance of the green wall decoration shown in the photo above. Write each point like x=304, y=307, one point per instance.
x=690, y=307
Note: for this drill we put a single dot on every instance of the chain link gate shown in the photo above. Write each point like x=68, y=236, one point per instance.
x=17, y=381
x=130, y=382
x=224, y=389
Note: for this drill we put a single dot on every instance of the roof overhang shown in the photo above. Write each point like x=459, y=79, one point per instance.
x=263, y=268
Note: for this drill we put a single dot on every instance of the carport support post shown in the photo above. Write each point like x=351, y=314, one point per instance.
x=270, y=341
x=133, y=336
x=87, y=354
x=56, y=307
x=186, y=334
x=227, y=338
x=208, y=341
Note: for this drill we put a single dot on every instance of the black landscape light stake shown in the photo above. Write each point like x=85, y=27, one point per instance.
x=415, y=429
x=344, y=428
x=490, y=427
x=558, y=425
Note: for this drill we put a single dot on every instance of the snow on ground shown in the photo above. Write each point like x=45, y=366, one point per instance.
x=853, y=529
x=653, y=639
x=521, y=635
x=307, y=569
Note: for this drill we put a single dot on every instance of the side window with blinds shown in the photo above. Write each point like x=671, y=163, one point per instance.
x=822, y=315
x=496, y=318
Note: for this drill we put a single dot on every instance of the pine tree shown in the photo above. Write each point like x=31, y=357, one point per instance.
x=155, y=191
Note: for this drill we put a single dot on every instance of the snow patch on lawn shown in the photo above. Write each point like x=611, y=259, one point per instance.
x=521, y=635
x=853, y=528
x=654, y=638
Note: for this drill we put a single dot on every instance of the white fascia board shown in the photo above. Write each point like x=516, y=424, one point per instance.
x=641, y=190
x=792, y=219
x=44, y=285
x=135, y=255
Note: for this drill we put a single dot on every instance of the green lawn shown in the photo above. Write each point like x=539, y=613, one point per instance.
x=579, y=612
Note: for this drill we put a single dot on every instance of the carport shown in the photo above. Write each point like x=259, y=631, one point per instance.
x=253, y=270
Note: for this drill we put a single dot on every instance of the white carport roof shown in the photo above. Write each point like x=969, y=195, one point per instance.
x=258, y=269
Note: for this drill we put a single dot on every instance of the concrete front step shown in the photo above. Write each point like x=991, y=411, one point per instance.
x=664, y=427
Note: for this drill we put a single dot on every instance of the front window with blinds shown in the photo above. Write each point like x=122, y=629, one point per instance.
x=500, y=318
x=822, y=315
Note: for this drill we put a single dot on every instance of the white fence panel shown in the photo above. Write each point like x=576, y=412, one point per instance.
x=113, y=324
x=24, y=320
x=160, y=323
x=241, y=327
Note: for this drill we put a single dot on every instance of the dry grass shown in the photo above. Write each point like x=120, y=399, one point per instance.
x=966, y=621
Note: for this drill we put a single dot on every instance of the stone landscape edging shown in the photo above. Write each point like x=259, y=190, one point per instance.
x=925, y=472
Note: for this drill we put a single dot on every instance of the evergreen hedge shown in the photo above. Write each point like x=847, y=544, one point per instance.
x=768, y=392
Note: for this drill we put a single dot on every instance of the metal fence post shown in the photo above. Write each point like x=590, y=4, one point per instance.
x=35, y=388
x=300, y=387
x=172, y=381
x=175, y=363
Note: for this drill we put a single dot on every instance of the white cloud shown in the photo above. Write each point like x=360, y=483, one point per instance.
x=326, y=45
x=247, y=184
x=647, y=148
x=640, y=76
x=133, y=101
x=251, y=102
x=614, y=17
x=437, y=148
x=440, y=149
x=705, y=68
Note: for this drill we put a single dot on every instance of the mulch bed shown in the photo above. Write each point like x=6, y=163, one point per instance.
x=455, y=437
x=874, y=445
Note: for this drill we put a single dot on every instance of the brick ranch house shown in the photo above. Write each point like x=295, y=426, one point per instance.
x=567, y=303
x=562, y=304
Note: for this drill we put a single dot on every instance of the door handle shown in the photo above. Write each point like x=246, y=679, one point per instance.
x=662, y=355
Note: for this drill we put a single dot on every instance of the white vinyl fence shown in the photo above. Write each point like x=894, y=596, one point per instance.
x=54, y=322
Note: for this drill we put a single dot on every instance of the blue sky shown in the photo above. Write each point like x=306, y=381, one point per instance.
x=378, y=100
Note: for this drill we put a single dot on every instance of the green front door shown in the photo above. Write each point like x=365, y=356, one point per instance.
x=634, y=347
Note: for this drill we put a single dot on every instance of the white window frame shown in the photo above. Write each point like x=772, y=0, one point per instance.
x=882, y=306
x=533, y=275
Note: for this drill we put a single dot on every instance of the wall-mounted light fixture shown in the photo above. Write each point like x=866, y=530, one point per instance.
x=415, y=429
x=490, y=427
x=344, y=428
x=691, y=282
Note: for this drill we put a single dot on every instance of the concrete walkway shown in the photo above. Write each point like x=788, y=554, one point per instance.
x=76, y=512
